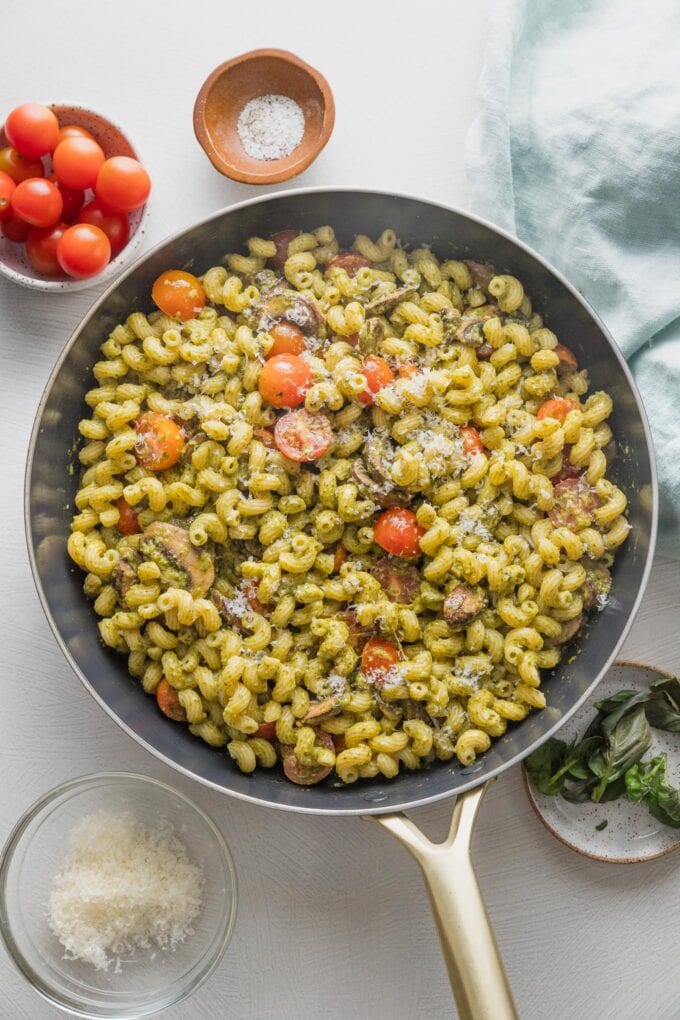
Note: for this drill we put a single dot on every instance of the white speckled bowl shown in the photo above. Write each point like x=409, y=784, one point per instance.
x=13, y=262
x=632, y=834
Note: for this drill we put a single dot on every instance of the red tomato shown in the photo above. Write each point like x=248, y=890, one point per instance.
x=266, y=730
x=566, y=356
x=72, y=198
x=250, y=588
x=77, y=162
x=160, y=442
x=15, y=229
x=567, y=470
x=340, y=557
x=284, y=380
x=32, y=129
x=378, y=374
x=266, y=436
x=115, y=225
x=7, y=186
x=352, y=339
x=83, y=251
x=472, y=441
x=37, y=201
x=378, y=658
x=556, y=407
x=122, y=184
x=288, y=339
x=127, y=523
x=397, y=531
x=407, y=369
x=41, y=248
x=350, y=261
x=178, y=294
x=282, y=239
x=72, y=131
x=18, y=167
x=303, y=435
x=169, y=703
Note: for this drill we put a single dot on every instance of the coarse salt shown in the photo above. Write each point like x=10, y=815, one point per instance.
x=271, y=127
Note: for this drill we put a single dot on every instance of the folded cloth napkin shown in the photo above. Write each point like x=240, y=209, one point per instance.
x=576, y=151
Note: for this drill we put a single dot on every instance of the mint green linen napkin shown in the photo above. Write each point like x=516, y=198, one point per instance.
x=576, y=151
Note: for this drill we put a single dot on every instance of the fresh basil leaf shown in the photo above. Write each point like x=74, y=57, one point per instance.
x=648, y=781
x=620, y=707
x=577, y=793
x=668, y=799
x=670, y=687
x=662, y=713
x=543, y=763
x=662, y=815
x=628, y=740
x=613, y=790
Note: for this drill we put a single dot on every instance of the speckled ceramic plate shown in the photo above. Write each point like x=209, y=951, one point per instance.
x=631, y=834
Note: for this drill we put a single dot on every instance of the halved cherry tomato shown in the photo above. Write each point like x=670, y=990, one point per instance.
x=556, y=407
x=303, y=435
x=127, y=522
x=284, y=380
x=37, y=201
x=7, y=187
x=266, y=436
x=83, y=251
x=32, y=129
x=407, y=369
x=115, y=225
x=122, y=184
x=15, y=229
x=378, y=658
x=397, y=531
x=160, y=442
x=340, y=557
x=350, y=261
x=41, y=248
x=169, y=703
x=472, y=441
x=566, y=356
x=288, y=339
x=73, y=199
x=77, y=162
x=18, y=167
x=378, y=374
x=575, y=503
x=266, y=730
x=178, y=294
x=72, y=131
x=282, y=239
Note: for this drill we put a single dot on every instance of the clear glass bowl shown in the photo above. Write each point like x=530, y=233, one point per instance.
x=151, y=980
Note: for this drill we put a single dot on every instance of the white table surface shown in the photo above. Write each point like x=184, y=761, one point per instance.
x=333, y=918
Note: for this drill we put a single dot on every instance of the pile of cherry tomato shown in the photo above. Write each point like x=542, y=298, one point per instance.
x=72, y=215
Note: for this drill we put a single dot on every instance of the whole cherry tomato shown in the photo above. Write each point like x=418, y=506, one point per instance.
x=83, y=251
x=15, y=229
x=41, y=248
x=122, y=184
x=32, y=129
x=18, y=167
x=168, y=701
x=284, y=380
x=77, y=162
x=115, y=225
x=566, y=356
x=556, y=407
x=266, y=730
x=303, y=435
x=378, y=374
x=73, y=199
x=282, y=239
x=288, y=339
x=160, y=442
x=37, y=201
x=178, y=294
x=7, y=186
x=72, y=131
x=128, y=523
x=397, y=531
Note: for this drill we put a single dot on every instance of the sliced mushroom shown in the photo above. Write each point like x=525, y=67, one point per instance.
x=484, y=352
x=596, y=586
x=400, y=581
x=292, y=307
x=182, y=565
x=463, y=605
x=450, y=321
x=387, y=302
x=253, y=548
x=358, y=634
x=481, y=272
x=470, y=331
x=225, y=607
x=266, y=280
x=306, y=775
x=377, y=451
x=124, y=576
x=416, y=710
x=383, y=494
x=320, y=710
x=611, y=452
x=370, y=335
x=569, y=630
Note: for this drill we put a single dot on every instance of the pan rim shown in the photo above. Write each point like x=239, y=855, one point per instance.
x=371, y=808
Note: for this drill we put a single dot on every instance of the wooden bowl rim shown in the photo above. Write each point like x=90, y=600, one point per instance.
x=296, y=166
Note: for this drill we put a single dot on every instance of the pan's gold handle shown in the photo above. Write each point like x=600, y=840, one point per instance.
x=480, y=985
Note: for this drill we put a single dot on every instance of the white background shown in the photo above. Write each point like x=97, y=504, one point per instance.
x=333, y=918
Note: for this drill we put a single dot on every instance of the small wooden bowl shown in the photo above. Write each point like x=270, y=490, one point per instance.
x=259, y=73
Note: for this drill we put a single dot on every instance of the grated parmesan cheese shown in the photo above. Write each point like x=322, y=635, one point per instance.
x=122, y=887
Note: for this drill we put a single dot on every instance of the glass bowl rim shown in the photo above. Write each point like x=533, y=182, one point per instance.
x=46, y=989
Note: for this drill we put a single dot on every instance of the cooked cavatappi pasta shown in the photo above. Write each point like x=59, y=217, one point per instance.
x=341, y=509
